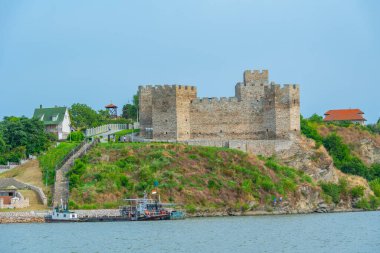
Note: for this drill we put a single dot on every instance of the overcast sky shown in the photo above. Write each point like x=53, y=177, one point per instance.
x=97, y=52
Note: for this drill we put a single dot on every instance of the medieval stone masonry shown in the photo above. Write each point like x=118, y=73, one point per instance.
x=259, y=111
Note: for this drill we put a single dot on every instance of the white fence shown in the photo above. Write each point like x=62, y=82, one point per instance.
x=105, y=128
x=109, y=128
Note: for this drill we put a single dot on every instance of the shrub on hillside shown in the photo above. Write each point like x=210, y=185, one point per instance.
x=343, y=159
x=332, y=190
x=309, y=129
x=363, y=204
x=375, y=186
x=357, y=191
x=76, y=136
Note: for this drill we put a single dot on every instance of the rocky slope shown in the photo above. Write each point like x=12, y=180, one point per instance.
x=363, y=144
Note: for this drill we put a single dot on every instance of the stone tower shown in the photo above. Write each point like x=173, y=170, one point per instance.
x=165, y=111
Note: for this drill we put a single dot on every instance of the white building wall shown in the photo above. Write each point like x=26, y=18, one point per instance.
x=65, y=125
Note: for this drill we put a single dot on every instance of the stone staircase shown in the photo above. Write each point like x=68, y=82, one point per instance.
x=61, y=184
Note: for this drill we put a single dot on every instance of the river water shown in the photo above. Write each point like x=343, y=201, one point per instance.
x=339, y=232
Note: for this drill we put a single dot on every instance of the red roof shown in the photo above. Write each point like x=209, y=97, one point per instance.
x=344, y=114
x=111, y=106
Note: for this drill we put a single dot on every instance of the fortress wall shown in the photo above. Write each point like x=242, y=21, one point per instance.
x=257, y=147
x=281, y=110
x=287, y=110
x=269, y=113
x=184, y=96
x=253, y=91
x=145, y=109
x=295, y=121
x=225, y=118
x=164, y=120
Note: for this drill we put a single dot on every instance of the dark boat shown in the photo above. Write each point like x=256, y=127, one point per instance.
x=150, y=209
x=139, y=209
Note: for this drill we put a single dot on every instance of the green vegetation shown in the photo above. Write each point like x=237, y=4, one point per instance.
x=357, y=191
x=310, y=130
x=375, y=187
x=124, y=132
x=198, y=177
x=374, y=128
x=334, y=191
x=338, y=150
x=76, y=136
x=52, y=158
x=83, y=116
x=130, y=110
x=337, y=192
x=346, y=161
x=20, y=137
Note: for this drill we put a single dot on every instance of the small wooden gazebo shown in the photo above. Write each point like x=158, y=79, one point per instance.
x=112, y=109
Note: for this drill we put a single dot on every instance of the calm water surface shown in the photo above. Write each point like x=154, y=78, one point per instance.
x=341, y=232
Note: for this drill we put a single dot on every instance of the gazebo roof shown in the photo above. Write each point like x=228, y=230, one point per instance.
x=111, y=106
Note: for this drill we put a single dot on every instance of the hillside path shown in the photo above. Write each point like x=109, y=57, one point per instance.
x=61, y=185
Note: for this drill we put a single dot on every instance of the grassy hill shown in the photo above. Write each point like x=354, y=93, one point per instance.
x=29, y=173
x=200, y=178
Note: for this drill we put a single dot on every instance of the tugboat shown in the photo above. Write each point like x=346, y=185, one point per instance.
x=62, y=214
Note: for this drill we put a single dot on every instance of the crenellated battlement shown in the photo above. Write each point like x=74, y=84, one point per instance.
x=253, y=76
x=280, y=88
x=167, y=87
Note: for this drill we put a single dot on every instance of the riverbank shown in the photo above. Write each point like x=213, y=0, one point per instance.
x=38, y=216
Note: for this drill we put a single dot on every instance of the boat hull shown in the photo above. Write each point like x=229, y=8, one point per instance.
x=110, y=219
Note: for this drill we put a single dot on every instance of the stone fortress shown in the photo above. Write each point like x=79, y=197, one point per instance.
x=260, y=115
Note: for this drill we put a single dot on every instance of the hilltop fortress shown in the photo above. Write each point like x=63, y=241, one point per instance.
x=259, y=111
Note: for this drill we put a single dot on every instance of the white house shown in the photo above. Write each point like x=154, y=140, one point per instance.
x=56, y=120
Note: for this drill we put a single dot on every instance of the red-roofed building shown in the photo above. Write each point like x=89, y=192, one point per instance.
x=353, y=115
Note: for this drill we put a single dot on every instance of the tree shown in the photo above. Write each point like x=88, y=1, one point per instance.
x=104, y=115
x=130, y=111
x=20, y=137
x=82, y=116
x=2, y=145
x=316, y=118
x=29, y=133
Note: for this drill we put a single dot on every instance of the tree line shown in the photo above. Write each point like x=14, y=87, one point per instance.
x=83, y=116
x=21, y=136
